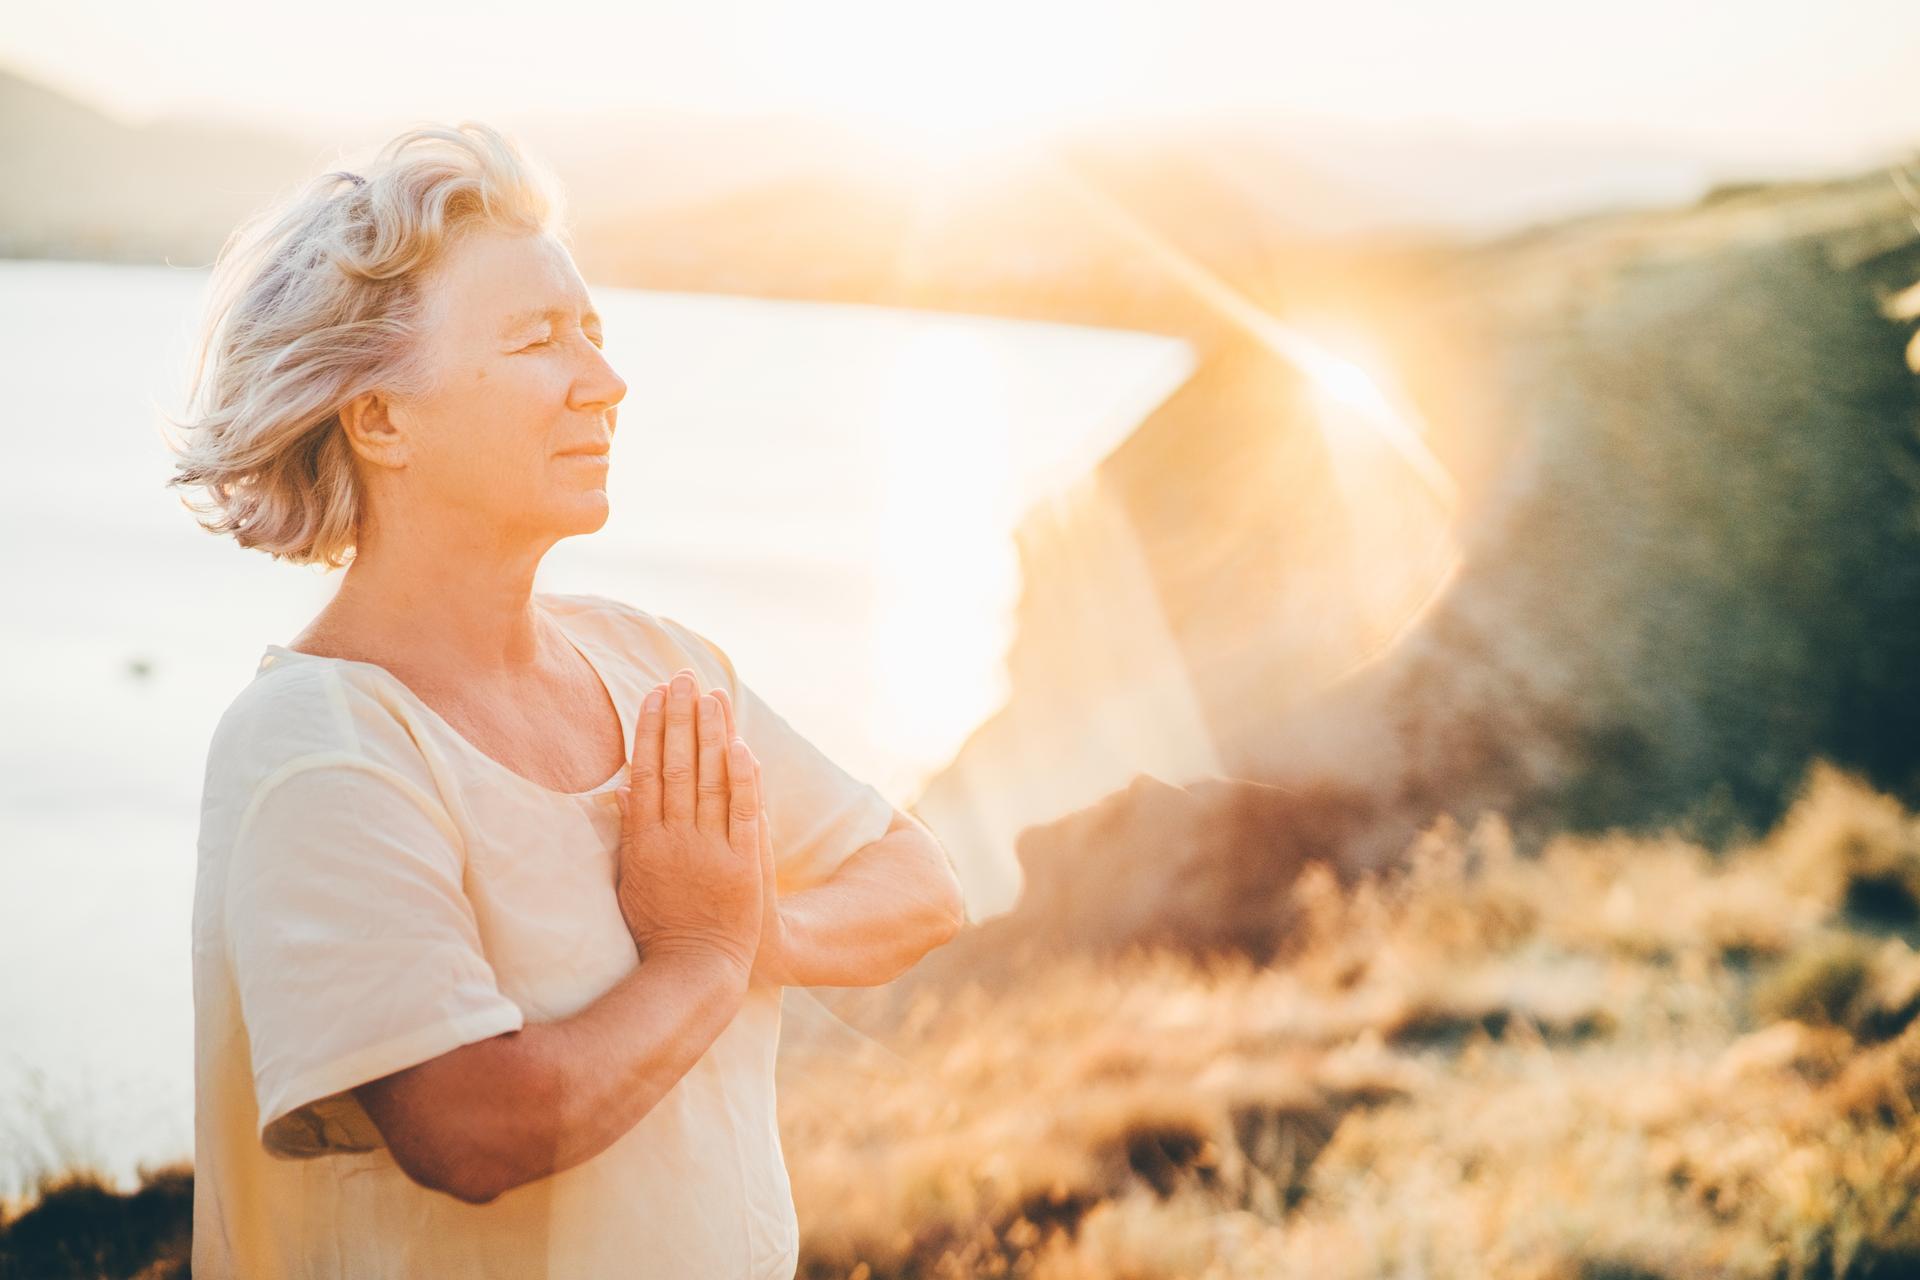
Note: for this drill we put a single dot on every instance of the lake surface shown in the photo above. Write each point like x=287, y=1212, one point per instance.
x=859, y=567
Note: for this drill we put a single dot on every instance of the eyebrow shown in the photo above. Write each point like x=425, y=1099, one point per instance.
x=521, y=319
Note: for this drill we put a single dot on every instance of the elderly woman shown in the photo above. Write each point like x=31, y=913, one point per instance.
x=478, y=990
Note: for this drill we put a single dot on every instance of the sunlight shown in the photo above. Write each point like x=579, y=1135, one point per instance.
x=1351, y=384
x=1399, y=501
x=1342, y=362
x=945, y=135
x=958, y=84
x=1116, y=698
x=1398, y=497
x=947, y=573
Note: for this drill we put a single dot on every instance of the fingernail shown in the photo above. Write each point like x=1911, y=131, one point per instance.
x=654, y=700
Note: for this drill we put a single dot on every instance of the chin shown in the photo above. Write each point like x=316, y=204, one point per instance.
x=585, y=513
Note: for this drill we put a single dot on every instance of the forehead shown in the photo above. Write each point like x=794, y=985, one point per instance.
x=493, y=281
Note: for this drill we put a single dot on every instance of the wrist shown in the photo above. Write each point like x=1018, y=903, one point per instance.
x=697, y=956
x=774, y=960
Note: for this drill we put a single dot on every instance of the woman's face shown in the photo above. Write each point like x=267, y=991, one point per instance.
x=523, y=387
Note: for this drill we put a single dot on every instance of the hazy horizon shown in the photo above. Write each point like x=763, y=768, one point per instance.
x=1766, y=85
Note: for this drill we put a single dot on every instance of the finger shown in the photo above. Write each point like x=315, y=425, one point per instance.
x=744, y=821
x=711, y=796
x=643, y=800
x=726, y=702
x=677, y=753
x=766, y=827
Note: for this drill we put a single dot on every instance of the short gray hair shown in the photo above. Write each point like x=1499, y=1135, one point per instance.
x=319, y=298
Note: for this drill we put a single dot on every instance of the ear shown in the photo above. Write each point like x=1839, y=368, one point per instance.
x=371, y=431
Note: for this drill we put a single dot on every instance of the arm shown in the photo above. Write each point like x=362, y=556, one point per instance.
x=490, y=1116
x=889, y=904
x=882, y=906
x=487, y=1117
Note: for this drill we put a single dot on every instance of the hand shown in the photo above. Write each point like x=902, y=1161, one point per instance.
x=690, y=863
x=770, y=961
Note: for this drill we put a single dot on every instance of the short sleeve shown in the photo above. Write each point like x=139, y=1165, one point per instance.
x=819, y=814
x=354, y=947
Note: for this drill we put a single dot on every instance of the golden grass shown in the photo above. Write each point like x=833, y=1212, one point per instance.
x=1623, y=1058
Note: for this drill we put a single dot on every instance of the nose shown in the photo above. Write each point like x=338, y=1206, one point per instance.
x=598, y=387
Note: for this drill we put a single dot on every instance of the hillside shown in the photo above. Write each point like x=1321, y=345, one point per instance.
x=1628, y=1058
x=1688, y=467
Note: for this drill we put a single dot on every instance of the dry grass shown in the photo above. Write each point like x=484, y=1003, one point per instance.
x=1620, y=1059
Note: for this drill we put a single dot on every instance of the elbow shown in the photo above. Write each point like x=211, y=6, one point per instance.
x=458, y=1170
x=480, y=1177
x=475, y=1193
x=480, y=1149
x=952, y=900
x=516, y=1142
x=946, y=897
x=953, y=920
x=482, y=1192
x=949, y=912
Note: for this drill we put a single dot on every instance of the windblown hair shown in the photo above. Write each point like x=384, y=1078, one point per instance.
x=320, y=298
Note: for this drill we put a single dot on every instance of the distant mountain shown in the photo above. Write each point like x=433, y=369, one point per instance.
x=790, y=206
x=82, y=184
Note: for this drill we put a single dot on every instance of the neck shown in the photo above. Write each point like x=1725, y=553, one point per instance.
x=470, y=605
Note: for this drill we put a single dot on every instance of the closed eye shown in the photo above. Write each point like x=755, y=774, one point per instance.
x=595, y=339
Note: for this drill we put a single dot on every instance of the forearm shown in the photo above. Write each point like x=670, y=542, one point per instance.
x=596, y=1074
x=873, y=919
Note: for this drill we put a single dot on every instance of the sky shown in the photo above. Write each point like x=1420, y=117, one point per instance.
x=1791, y=80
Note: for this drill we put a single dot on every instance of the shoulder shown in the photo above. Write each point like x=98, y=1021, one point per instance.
x=286, y=715
x=288, y=709
x=304, y=714
x=579, y=604
x=603, y=616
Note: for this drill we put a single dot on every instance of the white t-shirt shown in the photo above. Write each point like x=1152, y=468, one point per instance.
x=373, y=890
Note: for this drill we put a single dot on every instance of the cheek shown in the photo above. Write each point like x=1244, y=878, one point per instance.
x=500, y=424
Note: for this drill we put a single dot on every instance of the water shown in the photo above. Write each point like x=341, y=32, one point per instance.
x=859, y=567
